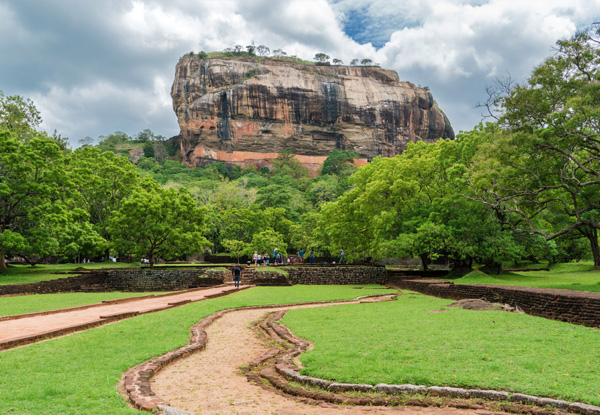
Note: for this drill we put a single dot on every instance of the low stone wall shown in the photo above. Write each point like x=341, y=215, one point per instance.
x=313, y=275
x=579, y=307
x=163, y=279
x=94, y=281
x=337, y=275
x=263, y=278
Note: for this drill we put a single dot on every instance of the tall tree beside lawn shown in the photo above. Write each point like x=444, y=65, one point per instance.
x=102, y=181
x=32, y=180
x=545, y=152
x=410, y=205
x=157, y=223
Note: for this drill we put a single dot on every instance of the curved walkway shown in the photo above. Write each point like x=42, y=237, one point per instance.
x=24, y=329
x=211, y=382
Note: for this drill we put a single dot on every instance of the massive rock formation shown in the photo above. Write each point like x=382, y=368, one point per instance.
x=243, y=111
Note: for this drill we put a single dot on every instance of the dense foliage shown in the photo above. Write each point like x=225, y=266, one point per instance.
x=526, y=186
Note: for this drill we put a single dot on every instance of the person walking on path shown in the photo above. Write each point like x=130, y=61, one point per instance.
x=312, y=258
x=255, y=258
x=237, y=272
x=301, y=255
x=342, y=256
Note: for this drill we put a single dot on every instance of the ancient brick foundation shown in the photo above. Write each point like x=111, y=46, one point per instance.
x=333, y=275
x=338, y=275
x=579, y=307
x=163, y=279
x=94, y=281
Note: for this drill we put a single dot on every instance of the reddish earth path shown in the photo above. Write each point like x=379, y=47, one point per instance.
x=17, y=332
x=210, y=381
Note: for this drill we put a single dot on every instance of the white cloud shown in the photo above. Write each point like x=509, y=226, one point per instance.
x=94, y=68
x=103, y=107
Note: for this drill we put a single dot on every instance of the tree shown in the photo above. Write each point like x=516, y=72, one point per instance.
x=235, y=247
x=20, y=116
x=286, y=163
x=366, y=62
x=156, y=223
x=267, y=241
x=32, y=180
x=148, y=150
x=262, y=50
x=339, y=162
x=101, y=180
x=279, y=52
x=321, y=58
x=250, y=49
x=110, y=142
x=337, y=61
x=544, y=153
x=237, y=48
x=410, y=205
x=354, y=62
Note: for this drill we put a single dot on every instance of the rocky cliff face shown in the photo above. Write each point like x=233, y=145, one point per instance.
x=242, y=112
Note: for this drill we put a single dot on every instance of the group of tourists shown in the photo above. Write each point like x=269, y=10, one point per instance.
x=280, y=258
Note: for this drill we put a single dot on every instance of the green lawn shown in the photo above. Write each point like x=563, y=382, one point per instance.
x=79, y=374
x=26, y=274
x=43, y=302
x=271, y=269
x=571, y=276
x=405, y=342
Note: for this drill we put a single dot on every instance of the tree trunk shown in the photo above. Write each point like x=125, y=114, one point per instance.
x=424, y=258
x=592, y=235
x=595, y=248
x=2, y=260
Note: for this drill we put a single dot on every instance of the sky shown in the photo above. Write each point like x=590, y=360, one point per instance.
x=96, y=67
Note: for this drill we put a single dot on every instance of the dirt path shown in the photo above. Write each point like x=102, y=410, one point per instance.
x=210, y=382
x=27, y=330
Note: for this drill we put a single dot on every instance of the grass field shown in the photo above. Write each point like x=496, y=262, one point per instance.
x=405, y=342
x=571, y=276
x=43, y=302
x=79, y=374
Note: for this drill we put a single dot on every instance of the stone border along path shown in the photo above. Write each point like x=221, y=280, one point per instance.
x=22, y=329
x=284, y=365
x=277, y=367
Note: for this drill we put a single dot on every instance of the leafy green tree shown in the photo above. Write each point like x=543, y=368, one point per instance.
x=156, y=223
x=287, y=164
x=410, y=205
x=266, y=241
x=102, y=180
x=20, y=116
x=32, y=179
x=235, y=247
x=339, y=162
x=110, y=142
x=148, y=150
x=545, y=151
x=148, y=135
x=322, y=190
x=366, y=62
x=321, y=57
